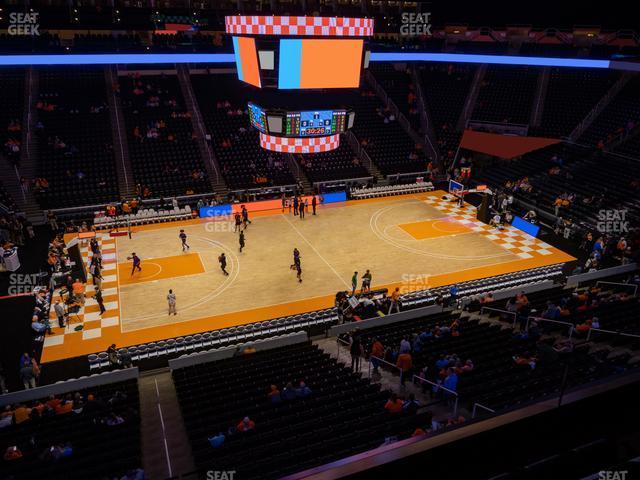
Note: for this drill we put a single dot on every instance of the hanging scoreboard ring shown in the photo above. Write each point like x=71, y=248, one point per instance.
x=299, y=145
x=299, y=26
x=300, y=52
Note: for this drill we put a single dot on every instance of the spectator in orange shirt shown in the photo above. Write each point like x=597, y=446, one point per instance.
x=377, y=350
x=405, y=364
x=394, y=404
x=78, y=290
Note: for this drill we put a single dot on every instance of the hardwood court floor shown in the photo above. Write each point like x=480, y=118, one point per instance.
x=411, y=241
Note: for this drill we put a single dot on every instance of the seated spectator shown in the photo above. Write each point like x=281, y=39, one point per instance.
x=303, y=391
x=411, y=405
x=246, y=425
x=217, y=440
x=394, y=404
x=289, y=393
x=274, y=394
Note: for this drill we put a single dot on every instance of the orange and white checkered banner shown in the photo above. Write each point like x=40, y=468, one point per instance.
x=299, y=26
x=299, y=145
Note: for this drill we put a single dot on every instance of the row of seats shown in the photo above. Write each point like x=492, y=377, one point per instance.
x=389, y=190
x=169, y=165
x=312, y=322
x=423, y=298
x=99, y=450
x=244, y=163
x=144, y=216
x=85, y=167
x=342, y=414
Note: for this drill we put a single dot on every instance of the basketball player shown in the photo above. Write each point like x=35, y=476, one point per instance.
x=183, y=239
x=299, y=271
x=314, y=202
x=171, y=300
x=245, y=216
x=136, y=263
x=223, y=263
x=241, y=240
x=238, y=220
x=296, y=258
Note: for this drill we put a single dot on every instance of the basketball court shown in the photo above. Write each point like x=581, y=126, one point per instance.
x=398, y=239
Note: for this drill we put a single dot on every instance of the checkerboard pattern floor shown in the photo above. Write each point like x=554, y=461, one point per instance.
x=516, y=241
x=89, y=315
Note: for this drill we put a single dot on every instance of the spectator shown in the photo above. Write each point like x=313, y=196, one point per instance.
x=246, y=425
x=274, y=394
x=377, y=350
x=411, y=405
x=405, y=364
x=289, y=393
x=394, y=404
x=303, y=391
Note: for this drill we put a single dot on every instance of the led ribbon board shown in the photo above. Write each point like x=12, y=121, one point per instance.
x=299, y=145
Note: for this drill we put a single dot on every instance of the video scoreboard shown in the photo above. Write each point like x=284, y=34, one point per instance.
x=308, y=123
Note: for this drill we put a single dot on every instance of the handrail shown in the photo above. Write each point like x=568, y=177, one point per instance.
x=635, y=287
x=540, y=319
x=344, y=180
x=515, y=315
x=478, y=405
x=384, y=361
x=613, y=332
x=455, y=394
x=339, y=341
x=371, y=357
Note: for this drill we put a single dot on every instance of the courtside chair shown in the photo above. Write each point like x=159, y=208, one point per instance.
x=93, y=361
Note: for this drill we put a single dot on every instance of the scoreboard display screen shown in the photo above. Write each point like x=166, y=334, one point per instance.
x=257, y=117
x=307, y=123
x=315, y=123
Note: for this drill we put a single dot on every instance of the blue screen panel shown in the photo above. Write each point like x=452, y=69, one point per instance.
x=334, y=197
x=216, y=211
x=316, y=123
x=526, y=227
x=290, y=61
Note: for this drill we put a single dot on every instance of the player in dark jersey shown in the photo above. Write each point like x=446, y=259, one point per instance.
x=183, y=239
x=245, y=216
x=241, y=240
x=238, y=219
x=136, y=263
x=223, y=263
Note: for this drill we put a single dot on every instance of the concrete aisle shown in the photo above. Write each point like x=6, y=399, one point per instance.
x=166, y=450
